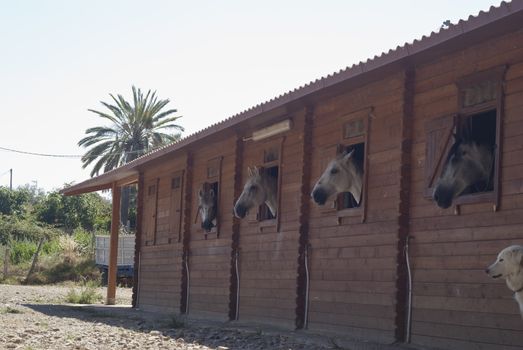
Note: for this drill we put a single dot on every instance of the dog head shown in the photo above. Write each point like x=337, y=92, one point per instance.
x=508, y=263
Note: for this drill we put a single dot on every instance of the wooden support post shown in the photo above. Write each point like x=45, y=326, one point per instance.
x=138, y=238
x=302, y=278
x=234, y=289
x=403, y=301
x=187, y=223
x=113, y=248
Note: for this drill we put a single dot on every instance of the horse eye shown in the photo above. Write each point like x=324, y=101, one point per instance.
x=500, y=260
x=334, y=171
x=252, y=188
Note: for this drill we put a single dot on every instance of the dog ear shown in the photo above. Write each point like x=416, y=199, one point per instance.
x=518, y=255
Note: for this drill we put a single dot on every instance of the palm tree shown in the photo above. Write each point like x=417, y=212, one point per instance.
x=136, y=129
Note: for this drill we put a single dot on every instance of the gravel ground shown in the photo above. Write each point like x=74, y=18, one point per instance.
x=37, y=317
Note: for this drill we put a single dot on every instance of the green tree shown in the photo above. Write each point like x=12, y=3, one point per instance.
x=136, y=128
x=89, y=211
x=14, y=202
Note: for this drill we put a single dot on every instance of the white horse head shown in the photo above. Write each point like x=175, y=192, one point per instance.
x=261, y=187
x=343, y=174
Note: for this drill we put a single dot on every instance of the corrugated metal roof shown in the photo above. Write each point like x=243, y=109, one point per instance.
x=482, y=20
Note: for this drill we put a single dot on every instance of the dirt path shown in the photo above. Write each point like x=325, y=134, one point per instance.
x=36, y=317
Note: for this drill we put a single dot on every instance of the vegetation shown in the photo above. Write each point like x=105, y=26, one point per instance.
x=136, y=128
x=175, y=322
x=10, y=310
x=87, y=294
x=65, y=228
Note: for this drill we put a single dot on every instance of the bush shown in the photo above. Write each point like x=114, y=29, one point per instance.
x=84, y=240
x=72, y=271
x=19, y=229
x=88, y=294
x=22, y=251
x=51, y=247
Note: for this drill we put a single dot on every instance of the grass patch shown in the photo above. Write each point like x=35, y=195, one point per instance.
x=10, y=310
x=55, y=269
x=86, y=294
x=175, y=322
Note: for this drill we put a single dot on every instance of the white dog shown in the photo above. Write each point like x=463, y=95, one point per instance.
x=509, y=265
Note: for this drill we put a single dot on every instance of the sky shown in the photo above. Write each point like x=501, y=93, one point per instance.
x=212, y=59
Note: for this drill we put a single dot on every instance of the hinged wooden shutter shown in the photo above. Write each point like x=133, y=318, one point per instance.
x=438, y=141
x=151, y=204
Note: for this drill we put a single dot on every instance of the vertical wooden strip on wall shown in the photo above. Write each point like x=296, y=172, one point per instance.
x=404, y=206
x=186, y=232
x=235, y=241
x=138, y=237
x=301, y=281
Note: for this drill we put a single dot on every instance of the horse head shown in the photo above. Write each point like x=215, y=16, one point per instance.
x=207, y=204
x=343, y=174
x=468, y=164
x=261, y=187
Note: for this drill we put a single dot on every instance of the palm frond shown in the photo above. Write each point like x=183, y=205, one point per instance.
x=135, y=130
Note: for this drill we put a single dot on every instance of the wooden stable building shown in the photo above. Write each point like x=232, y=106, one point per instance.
x=396, y=268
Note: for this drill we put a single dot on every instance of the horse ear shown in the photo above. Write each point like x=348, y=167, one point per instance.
x=348, y=155
x=249, y=171
x=200, y=192
x=256, y=170
x=211, y=192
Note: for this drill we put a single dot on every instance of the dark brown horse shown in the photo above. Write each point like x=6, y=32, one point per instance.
x=208, y=207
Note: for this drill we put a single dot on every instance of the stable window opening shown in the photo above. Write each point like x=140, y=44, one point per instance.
x=264, y=213
x=346, y=200
x=208, y=207
x=481, y=129
x=476, y=146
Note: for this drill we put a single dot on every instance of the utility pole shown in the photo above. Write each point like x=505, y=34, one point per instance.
x=11, y=179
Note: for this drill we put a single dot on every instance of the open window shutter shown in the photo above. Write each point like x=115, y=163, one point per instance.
x=150, y=210
x=214, y=174
x=438, y=141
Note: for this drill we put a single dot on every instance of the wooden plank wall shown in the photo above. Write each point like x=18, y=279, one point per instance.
x=160, y=264
x=353, y=264
x=455, y=305
x=268, y=258
x=209, y=258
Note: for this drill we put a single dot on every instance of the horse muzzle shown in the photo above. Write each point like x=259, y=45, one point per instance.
x=443, y=197
x=207, y=225
x=319, y=196
x=240, y=211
